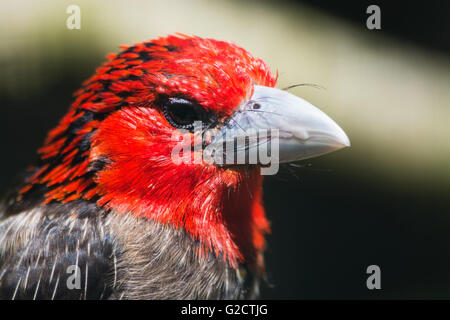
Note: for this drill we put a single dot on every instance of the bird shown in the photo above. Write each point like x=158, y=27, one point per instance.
x=106, y=213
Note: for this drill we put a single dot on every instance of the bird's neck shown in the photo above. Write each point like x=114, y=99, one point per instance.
x=224, y=214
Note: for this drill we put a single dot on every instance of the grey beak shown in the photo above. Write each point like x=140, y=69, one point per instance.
x=304, y=130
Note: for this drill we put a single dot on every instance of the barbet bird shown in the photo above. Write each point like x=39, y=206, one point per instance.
x=106, y=213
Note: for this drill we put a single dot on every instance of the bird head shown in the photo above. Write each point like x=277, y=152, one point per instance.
x=115, y=145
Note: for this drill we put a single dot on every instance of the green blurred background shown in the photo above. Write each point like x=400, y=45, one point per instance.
x=384, y=201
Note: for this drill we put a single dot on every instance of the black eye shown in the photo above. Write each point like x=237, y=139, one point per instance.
x=182, y=113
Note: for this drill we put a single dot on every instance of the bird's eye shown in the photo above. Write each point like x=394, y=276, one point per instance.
x=182, y=113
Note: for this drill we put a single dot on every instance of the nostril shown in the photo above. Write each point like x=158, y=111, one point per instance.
x=256, y=106
x=301, y=134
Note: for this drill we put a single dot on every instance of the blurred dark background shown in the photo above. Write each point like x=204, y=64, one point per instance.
x=385, y=201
